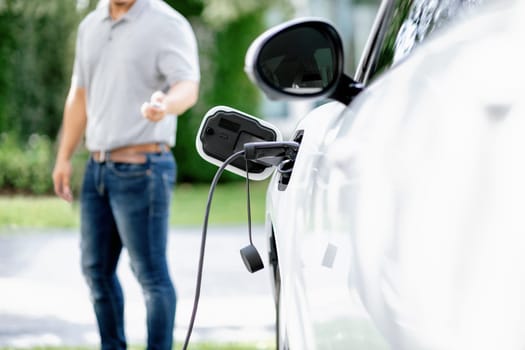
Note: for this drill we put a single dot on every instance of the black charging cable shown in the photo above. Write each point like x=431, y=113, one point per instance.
x=273, y=153
x=248, y=206
x=249, y=254
x=203, y=243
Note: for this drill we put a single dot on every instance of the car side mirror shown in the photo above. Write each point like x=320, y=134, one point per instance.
x=300, y=59
x=225, y=130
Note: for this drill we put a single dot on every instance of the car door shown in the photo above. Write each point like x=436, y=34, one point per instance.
x=319, y=306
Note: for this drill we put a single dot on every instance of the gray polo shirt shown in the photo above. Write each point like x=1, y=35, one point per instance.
x=121, y=63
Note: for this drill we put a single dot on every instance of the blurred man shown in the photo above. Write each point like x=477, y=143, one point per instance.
x=128, y=52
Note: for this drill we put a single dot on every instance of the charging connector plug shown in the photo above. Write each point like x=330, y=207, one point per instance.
x=271, y=153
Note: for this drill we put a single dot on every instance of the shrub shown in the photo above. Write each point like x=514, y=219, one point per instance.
x=27, y=166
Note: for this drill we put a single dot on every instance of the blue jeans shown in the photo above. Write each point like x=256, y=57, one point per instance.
x=127, y=205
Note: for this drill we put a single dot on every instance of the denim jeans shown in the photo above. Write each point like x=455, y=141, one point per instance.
x=127, y=205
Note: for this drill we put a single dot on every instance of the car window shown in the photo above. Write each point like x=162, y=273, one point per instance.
x=406, y=24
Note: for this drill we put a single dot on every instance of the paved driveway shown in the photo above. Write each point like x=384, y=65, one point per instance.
x=44, y=300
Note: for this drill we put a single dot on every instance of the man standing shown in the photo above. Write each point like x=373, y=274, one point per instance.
x=127, y=50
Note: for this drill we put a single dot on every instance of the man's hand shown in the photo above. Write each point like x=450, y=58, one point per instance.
x=61, y=179
x=155, y=110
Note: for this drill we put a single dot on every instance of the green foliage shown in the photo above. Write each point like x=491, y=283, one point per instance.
x=189, y=8
x=27, y=166
x=35, y=58
x=219, y=13
x=387, y=51
x=222, y=49
x=36, y=54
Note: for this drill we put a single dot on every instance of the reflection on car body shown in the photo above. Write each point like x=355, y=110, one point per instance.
x=423, y=18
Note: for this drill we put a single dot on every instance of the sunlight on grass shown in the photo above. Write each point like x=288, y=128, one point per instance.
x=189, y=202
x=37, y=212
x=228, y=204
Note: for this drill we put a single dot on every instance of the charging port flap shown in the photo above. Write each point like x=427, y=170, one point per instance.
x=225, y=130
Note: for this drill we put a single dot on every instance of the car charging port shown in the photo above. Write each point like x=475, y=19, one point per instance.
x=285, y=169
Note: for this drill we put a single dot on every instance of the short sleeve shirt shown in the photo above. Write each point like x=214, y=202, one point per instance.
x=121, y=63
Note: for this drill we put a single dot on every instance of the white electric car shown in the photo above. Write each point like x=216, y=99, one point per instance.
x=399, y=223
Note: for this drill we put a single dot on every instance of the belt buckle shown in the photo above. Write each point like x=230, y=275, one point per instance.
x=102, y=156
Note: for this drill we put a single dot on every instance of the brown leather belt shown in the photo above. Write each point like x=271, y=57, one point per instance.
x=134, y=154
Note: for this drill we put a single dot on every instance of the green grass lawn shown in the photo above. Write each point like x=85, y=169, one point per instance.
x=189, y=202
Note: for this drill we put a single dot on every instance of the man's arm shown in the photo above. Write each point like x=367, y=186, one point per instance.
x=73, y=127
x=180, y=97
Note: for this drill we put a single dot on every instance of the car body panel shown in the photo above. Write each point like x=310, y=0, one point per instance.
x=315, y=265
x=436, y=223
x=378, y=232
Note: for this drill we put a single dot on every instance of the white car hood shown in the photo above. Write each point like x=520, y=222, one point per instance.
x=434, y=166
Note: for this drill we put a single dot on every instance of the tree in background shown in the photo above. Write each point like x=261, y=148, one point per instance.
x=35, y=63
x=35, y=56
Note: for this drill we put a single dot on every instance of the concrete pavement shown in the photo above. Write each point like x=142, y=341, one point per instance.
x=44, y=300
